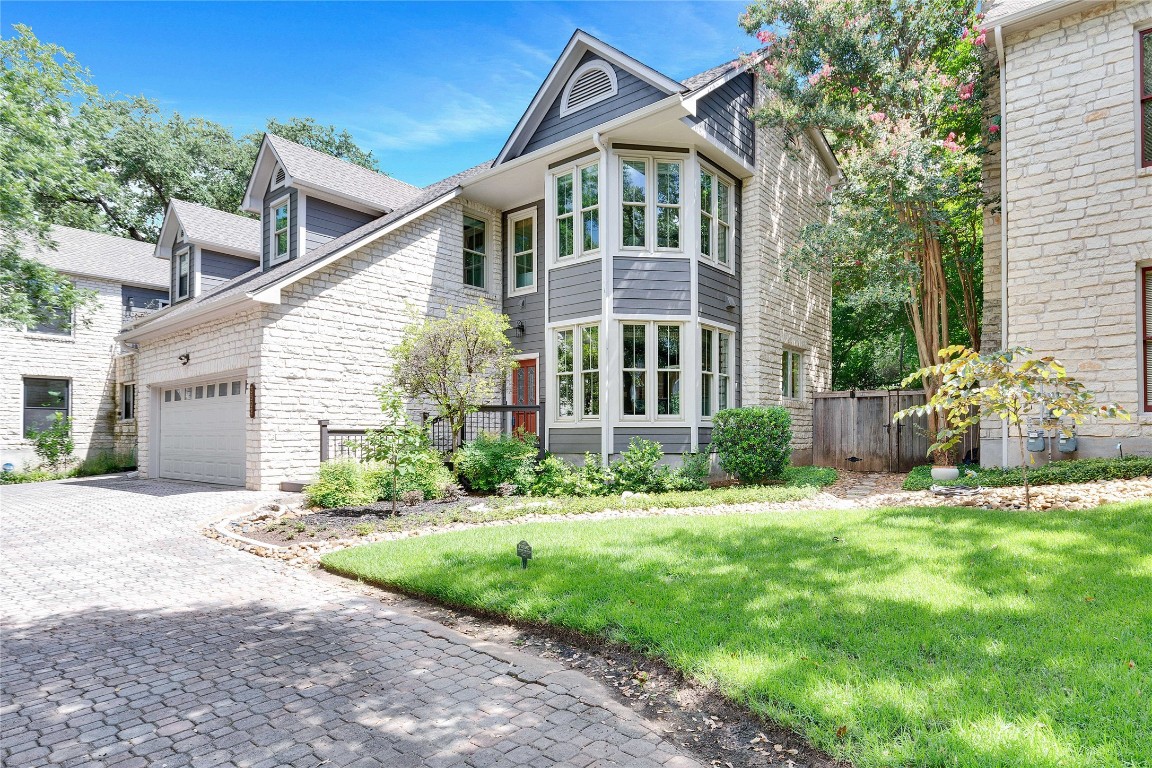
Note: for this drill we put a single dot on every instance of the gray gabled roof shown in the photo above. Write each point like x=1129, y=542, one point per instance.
x=347, y=179
x=208, y=226
x=255, y=280
x=106, y=257
x=702, y=79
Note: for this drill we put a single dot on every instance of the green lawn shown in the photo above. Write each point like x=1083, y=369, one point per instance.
x=936, y=637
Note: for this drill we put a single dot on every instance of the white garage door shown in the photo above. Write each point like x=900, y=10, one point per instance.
x=202, y=432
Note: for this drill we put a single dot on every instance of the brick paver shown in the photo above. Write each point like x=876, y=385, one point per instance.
x=130, y=639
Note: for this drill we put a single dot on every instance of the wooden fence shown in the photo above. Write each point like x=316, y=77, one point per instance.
x=854, y=430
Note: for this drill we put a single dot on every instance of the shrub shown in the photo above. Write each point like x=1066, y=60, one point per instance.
x=422, y=471
x=53, y=445
x=639, y=470
x=412, y=498
x=450, y=491
x=693, y=472
x=490, y=460
x=1054, y=473
x=105, y=463
x=30, y=475
x=343, y=483
x=754, y=444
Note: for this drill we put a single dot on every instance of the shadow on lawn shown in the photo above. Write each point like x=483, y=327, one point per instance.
x=935, y=637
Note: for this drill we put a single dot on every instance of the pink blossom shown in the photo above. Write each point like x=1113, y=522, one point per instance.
x=979, y=17
x=980, y=38
x=766, y=37
x=950, y=143
x=855, y=90
x=964, y=36
x=966, y=90
x=954, y=107
x=994, y=128
x=824, y=73
x=877, y=117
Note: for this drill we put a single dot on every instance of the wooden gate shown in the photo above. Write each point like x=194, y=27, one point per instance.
x=854, y=430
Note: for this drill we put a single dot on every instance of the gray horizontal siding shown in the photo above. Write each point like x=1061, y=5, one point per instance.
x=131, y=295
x=723, y=114
x=576, y=441
x=675, y=440
x=217, y=268
x=632, y=93
x=266, y=222
x=644, y=286
x=705, y=437
x=716, y=287
x=527, y=308
x=574, y=291
x=326, y=221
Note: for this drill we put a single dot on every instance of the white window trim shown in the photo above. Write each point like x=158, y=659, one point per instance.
x=651, y=207
x=719, y=177
x=577, y=419
x=716, y=330
x=273, y=258
x=553, y=239
x=186, y=252
x=795, y=355
x=607, y=68
x=488, y=231
x=651, y=374
x=513, y=220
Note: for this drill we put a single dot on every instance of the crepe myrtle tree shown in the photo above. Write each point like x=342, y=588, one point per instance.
x=458, y=362
x=1010, y=385
x=897, y=88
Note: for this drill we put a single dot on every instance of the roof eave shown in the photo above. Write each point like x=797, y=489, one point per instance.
x=161, y=324
x=1041, y=13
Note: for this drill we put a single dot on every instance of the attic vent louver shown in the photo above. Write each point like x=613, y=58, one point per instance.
x=279, y=175
x=593, y=82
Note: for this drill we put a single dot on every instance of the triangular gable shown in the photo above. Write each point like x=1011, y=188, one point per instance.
x=638, y=85
x=266, y=162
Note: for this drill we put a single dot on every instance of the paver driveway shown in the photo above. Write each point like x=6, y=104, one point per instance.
x=130, y=639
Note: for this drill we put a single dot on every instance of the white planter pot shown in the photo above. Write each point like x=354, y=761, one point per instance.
x=945, y=473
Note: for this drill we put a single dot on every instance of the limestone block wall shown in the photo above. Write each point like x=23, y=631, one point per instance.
x=325, y=349
x=85, y=358
x=124, y=430
x=1078, y=212
x=784, y=307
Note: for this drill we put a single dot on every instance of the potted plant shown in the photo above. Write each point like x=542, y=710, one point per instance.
x=944, y=467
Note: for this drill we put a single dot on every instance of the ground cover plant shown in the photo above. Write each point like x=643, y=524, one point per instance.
x=1053, y=473
x=898, y=637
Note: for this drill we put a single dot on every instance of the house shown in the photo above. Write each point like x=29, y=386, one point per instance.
x=1068, y=253
x=69, y=365
x=633, y=228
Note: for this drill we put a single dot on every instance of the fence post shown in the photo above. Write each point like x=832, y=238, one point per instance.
x=323, y=440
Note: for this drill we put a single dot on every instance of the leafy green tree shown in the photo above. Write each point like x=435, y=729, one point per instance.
x=399, y=444
x=457, y=362
x=1004, y=386
x=53, y=444
x=897, y=87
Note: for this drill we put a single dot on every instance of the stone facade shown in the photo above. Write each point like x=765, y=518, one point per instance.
x=1077, y=214
x=85, y=358
x=784, y=307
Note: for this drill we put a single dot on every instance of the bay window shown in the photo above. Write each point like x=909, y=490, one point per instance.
x=634, y=351
x=475, y=251
x=715, y=218
x=577, y=361
x=522, y=254
x=707, y=371
x=715, y=371
x=668, y=370
x=577, y=217
x=642, y=372
x=650, y=200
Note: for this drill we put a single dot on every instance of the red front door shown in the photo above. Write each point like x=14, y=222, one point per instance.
x=524, y=393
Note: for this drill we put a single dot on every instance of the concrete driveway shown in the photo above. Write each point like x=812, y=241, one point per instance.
x=131, y=640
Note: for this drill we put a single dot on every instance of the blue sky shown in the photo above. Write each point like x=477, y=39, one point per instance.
x=432, y=88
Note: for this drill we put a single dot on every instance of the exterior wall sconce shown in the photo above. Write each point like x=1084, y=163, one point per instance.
x=184, y=358
x=519, y=328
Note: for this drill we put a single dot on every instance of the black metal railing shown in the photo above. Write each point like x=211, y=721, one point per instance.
x=351, y=442
x=132, y=312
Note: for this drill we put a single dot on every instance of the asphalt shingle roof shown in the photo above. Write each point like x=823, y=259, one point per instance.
x=208, y=225
x=255, y=280
x=702, y=79
x=348, y=179
x=107, y=257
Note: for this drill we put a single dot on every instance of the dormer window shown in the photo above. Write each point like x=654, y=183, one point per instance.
x=591, y=83
x=280, y=228
x=183, y=273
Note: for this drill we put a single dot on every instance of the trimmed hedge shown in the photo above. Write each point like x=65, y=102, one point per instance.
x=754, y=443
x=1054, y=473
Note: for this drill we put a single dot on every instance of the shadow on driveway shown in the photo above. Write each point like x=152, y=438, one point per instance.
x=152, y=487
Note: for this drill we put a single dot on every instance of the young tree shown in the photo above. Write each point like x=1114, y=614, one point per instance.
x=897, y=88
x=398, y=444
x=458, y=362
x=1001, y=385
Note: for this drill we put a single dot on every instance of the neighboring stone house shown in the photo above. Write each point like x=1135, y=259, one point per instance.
x=633, y=228
x=69, y=365
x=1068, y=252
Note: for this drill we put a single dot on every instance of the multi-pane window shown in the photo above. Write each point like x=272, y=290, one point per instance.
x=668, y=370
x=792, y=373
x=280, y=228
x=634, y=202
x=522, y=273
x=715, y=371
x=1146, y=98
x=578, y=372
x=53, y=321
x=635, y=366
x=578, y=212
x=183, y=273
x=128, y=402
x=475, y=248
x=651, y=201
x=715, y=218
x=43, y=399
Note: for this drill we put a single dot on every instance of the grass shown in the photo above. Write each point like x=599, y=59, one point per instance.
x=934, y=637
x=102, y=463
x=1054, y=473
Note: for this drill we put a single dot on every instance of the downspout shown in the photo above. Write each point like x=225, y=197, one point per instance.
x=998, y=35
x=606, y=306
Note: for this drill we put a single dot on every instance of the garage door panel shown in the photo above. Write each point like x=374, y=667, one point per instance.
x=202, y=436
